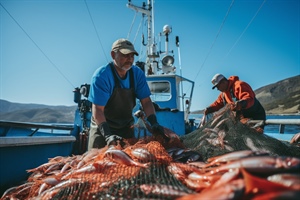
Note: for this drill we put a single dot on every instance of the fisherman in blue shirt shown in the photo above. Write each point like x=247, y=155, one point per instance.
x=113, y=92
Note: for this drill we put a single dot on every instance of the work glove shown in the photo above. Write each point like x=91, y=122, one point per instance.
x=109, y=137
x=239, y=105
x=104, y=129
x=156, y=128
x=208, y=110
x=113, y=140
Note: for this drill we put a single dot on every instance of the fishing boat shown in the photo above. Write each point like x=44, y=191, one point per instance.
x=25, y=146
x=171, y=93
x=36, y=143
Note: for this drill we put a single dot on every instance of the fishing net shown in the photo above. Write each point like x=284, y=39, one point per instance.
x=224, y=133
x=139, y=171
x=152, y=168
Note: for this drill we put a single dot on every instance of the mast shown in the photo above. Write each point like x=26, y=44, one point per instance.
x=165, y=71
x=152, y=55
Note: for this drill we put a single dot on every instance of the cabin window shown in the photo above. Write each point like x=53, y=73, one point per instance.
x=160, y=90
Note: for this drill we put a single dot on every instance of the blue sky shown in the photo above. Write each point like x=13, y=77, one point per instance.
x=50, y=47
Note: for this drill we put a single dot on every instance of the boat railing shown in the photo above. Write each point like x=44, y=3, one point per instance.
x=281, y=122
x=27, y=134
x=35, y=126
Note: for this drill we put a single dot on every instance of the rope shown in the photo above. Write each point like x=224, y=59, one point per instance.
x=130, y=29
x=96, y=31
x=52, y=63
x=245, y=28
x=215, y=39
x=138, y=30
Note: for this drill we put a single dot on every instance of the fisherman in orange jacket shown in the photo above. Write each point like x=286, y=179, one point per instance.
x=239, y=95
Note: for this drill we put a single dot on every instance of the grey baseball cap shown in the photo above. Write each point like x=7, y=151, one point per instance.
x=124, y=46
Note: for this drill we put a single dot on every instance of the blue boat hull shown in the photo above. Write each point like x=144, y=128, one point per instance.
x=25, y=146
x=15, y=160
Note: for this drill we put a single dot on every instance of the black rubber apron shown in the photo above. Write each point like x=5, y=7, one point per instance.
x=118, y=110
x=118, y=113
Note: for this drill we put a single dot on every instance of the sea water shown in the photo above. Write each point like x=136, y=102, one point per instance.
x=271, y=130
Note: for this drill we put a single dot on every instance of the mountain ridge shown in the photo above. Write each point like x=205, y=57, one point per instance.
x=271, y=97
x=273, y=100
x=38, y=113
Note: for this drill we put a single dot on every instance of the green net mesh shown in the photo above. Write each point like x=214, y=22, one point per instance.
x=224, y=134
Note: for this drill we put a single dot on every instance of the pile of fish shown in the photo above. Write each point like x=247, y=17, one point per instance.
x=134, y=172
x=224, y=159
x=146, y=170
x=224, y=133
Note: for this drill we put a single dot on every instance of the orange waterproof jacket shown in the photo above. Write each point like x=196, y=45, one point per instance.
x=237, y=90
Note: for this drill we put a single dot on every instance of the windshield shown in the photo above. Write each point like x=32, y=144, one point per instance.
x=160, y=91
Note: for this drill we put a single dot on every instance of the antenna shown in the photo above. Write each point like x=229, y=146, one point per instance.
x=180, y=70
x=151, y=63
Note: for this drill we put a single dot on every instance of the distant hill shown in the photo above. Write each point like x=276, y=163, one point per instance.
x=38, y=113
x=6, y=106
x=282, y=97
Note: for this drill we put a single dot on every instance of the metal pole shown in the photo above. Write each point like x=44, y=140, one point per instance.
x=180, y=70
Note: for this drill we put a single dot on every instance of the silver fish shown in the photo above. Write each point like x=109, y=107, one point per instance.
x=142, y=154
x=121, y=157
x=261, y=164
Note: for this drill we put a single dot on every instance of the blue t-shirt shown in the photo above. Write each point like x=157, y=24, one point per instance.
x=102, y=84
